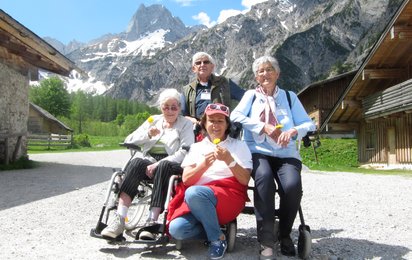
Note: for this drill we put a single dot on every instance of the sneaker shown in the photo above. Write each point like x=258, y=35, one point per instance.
x=146, y=235
x=217, y=249
x=287, y=247
x=115, y=227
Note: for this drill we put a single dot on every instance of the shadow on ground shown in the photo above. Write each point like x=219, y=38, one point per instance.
x=49, y=179
x=325, y=246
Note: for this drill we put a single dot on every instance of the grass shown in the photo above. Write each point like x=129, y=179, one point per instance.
x=22, y=163
x=332, y=155
x=340, y=155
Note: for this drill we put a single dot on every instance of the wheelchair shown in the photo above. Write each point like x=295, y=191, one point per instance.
x=139, y=209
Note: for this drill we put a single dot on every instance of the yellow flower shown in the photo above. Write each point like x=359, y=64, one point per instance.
x=216, y=141
x=150, y=119
x=278, y=126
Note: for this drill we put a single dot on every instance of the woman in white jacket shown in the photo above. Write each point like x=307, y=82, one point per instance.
x=164, y=140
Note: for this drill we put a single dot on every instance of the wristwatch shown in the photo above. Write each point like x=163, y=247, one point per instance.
x=232, y=164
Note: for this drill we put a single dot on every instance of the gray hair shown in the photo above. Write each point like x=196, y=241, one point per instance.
x=201, y=54
x=168, y=94
x=265, y=59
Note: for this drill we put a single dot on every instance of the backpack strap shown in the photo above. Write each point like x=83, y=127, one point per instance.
x=289, y=100
x=287, y=96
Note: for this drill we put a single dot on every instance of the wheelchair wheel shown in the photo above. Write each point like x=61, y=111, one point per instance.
x=231, y=229
x=139, y=209
x=304, y=241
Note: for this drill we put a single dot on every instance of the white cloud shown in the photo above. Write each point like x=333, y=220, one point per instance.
x=204, y=19
x=224, y=14
x=248, y=3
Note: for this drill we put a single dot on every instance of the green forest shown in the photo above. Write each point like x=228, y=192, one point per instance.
x=89, y=114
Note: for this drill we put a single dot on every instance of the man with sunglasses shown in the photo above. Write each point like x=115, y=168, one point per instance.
x=207, y=88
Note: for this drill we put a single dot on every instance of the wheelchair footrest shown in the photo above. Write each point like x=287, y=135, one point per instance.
x=162, y=239
x=158, y=230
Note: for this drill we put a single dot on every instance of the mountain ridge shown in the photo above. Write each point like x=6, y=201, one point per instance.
x=311, y=40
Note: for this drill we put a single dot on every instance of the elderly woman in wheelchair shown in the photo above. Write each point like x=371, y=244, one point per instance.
x=213, y=191
x=164, y=140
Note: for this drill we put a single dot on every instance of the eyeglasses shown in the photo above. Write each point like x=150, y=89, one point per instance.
x=172, y=108
x=204, y=62
x=267, y=70
x=219, y=107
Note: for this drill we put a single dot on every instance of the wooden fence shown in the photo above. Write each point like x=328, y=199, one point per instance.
x=50, y=140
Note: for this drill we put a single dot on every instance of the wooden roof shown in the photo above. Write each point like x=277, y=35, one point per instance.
x=388, y=64
x=49, y=117
x=26, y=51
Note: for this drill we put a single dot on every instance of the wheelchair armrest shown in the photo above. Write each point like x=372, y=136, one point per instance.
x=131, y=146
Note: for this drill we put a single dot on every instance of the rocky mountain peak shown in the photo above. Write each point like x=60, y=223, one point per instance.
x=153, y=18
x=312, y=40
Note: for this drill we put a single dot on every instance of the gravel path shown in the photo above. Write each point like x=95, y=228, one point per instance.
x=47, y=213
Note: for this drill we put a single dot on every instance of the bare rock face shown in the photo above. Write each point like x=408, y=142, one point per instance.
x=313, y=40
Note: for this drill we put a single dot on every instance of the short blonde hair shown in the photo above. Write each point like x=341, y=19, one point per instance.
x=168, y=94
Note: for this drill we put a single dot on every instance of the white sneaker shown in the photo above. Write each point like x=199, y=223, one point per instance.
x=115, y=227
x=146, y=235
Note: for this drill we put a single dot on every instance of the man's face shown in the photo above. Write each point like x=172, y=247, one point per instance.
x=203, y=68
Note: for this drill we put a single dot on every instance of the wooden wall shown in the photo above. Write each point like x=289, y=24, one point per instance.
x=39, y=124
x=376, y=136
x=320, y=98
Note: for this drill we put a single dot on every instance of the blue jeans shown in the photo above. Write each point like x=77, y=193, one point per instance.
x=202, y=221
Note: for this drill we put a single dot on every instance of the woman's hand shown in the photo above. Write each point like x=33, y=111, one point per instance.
x=192, y=173
x=223, y=154
x=210, y=158
x=151, y=169
x=272, y=131
x=284, y=137
x=153, y=131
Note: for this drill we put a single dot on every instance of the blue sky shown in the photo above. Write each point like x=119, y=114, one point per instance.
x=84, y=20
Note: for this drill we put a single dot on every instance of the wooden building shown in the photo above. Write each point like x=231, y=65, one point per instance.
x=319, y=99
x=22, y=54
x=42, y=122
x=377, y=103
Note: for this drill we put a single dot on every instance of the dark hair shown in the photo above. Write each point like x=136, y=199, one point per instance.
x=203, y=123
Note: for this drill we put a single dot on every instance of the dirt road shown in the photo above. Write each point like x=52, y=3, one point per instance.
x=47, y=213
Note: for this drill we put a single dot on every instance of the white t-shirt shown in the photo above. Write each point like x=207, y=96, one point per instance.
x=218, y=170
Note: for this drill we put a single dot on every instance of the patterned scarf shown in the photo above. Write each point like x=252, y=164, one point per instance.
x=267, y=115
